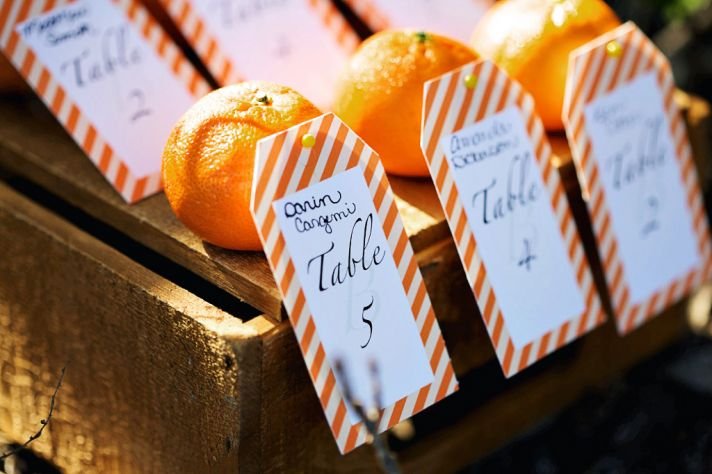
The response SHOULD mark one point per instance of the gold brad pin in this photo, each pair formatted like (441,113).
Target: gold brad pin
(308,140)
(470,81)
(614,48)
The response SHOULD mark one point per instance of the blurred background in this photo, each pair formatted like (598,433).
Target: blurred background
(683,30)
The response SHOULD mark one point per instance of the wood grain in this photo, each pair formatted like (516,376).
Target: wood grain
(153,382)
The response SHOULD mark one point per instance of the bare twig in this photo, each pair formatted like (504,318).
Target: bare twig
(372,418)
(43,422)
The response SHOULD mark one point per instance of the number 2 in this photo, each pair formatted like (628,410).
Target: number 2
(141,109)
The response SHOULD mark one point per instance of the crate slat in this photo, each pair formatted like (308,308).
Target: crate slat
(152,376)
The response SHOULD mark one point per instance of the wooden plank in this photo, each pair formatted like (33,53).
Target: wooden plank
(152,383)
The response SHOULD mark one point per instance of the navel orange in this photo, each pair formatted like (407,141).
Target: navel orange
(532,39)
(209,158)
(380,93)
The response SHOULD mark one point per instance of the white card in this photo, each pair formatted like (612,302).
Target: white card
(117,80)
(509,211)
(298,43)
(348,277)
(99,67)
(453,18)
(634,150)
(358,307)
(635,165)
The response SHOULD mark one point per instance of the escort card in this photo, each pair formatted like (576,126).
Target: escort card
(507,209)
(348,278)
(631,149)
(298,43)
(453,18)
(110,75)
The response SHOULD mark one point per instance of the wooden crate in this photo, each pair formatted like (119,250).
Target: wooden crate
(178,355)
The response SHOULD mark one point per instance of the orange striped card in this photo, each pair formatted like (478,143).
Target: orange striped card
(349,281)
(635,165)
(508,213)
(110,75)
(453,18)
(303,44)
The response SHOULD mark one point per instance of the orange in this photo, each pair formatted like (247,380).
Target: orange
(209,158)
(532,39)
(380,93)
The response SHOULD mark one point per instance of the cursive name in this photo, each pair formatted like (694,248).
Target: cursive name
(57,38)
(615,118)
(324,221)
(360,256)
(470,148)
(519,192)
(292,209)
(66,18)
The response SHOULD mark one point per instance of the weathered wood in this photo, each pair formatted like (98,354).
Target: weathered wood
(154,381)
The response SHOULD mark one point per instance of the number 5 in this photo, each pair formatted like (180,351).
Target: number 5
(368,322)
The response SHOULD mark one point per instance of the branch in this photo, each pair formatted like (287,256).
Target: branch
(370,419)
(43,422)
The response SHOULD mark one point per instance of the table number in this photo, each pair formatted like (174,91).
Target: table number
(303,44)
(635,164)
(349,281)
(508,213)
(110,75)
(453,18)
